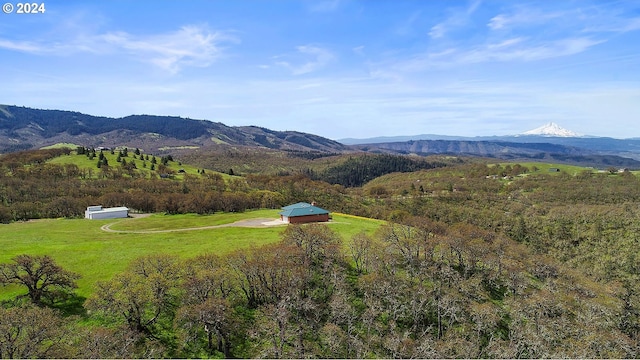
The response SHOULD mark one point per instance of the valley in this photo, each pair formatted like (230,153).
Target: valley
(457,256)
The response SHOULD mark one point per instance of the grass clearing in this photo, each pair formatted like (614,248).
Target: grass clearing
(545,167)
(142,165)
(60,146)
(157,222)
(80,245)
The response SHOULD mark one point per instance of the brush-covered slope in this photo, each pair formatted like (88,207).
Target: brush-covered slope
(24,128)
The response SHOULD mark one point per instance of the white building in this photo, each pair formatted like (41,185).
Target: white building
(97,212)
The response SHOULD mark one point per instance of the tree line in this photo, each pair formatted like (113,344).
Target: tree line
(414,289)
(31,188)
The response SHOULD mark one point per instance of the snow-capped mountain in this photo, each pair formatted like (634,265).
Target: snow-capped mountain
(551,129)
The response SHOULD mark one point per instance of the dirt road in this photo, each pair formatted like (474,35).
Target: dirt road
(255,223)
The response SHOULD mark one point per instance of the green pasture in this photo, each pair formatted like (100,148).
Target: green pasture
(60,146)
(80,245)
(83,162)
(544,167)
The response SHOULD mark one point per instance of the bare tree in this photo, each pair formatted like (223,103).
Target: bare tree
(43,278)
(143,294)
(31,332)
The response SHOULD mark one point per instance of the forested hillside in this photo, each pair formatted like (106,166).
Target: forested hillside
(356,171)
(476,260)
(23,128)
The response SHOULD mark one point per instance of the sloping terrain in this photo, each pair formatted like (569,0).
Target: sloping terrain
(24,128)
(539,151)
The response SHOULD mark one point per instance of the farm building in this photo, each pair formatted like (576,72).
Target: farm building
(303,213)
(97,212)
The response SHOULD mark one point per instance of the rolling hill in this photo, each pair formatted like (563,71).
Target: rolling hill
(24,128)
(509,150)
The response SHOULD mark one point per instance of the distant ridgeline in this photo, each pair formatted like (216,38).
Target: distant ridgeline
(52,122)
(23,128)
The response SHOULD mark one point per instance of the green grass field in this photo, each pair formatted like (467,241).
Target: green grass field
(81,245)
(83,162)
(544,167)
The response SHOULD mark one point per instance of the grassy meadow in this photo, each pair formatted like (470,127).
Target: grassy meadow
(83,162)
(81,246)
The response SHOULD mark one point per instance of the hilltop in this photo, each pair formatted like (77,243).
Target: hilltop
(253,148)
(23,128)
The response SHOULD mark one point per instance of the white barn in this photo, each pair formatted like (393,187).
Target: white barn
(97,212)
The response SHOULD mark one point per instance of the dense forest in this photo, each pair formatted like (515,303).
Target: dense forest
(357,171)
(53,122)
(476,260)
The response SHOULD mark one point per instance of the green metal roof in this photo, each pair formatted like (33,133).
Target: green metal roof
(302,209)
(297,205)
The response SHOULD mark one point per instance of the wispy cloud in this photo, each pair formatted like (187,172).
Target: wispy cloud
(459,17)
(189,46)
(524,16)
(590,17)
(319,58)
(23,46)
(406,27)
(518,49)
(325,6)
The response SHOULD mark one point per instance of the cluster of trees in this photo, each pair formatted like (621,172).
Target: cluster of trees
(586,220)
(357,171)
(414,289)
(472,265)
(53,122)
(30,188)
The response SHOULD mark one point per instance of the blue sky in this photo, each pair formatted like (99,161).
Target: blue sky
(336,68)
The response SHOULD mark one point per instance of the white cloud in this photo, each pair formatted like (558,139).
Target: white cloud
(522,16)
(518,49)
(23,46)
(320,58)
(189,46)
(437,31)
(325,6)
(459,17)
(406,27)
(509,51)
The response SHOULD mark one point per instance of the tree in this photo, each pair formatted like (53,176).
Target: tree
(31,332)
(142,295)
(214,317)
(41,275)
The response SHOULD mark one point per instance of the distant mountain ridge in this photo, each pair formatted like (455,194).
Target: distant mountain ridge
(24,128)
(549,133)
(548,130)
(508,150)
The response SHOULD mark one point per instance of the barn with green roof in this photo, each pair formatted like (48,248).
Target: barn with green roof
(303,212)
